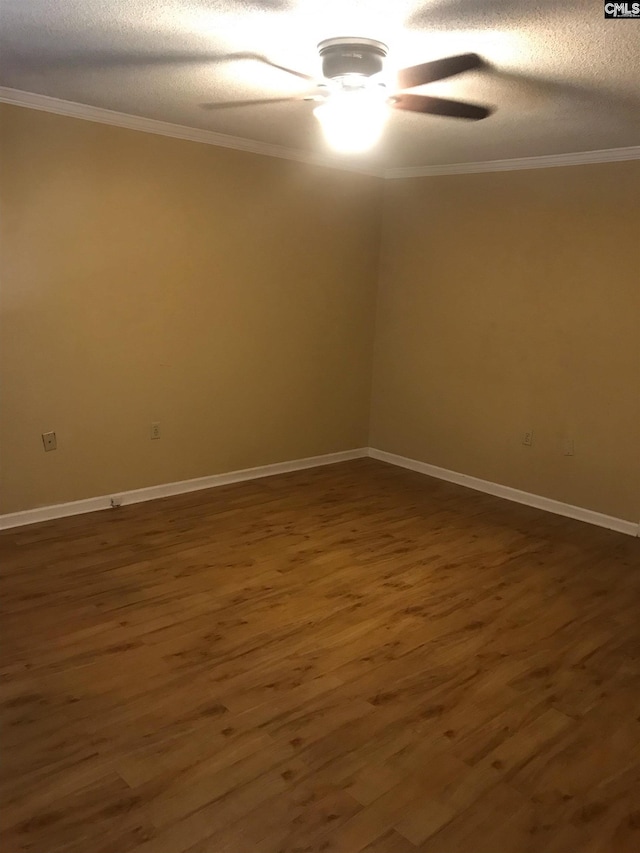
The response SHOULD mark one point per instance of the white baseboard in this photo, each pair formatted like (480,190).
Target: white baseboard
(506,492)
(47,513)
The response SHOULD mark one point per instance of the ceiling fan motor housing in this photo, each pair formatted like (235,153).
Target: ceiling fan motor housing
(347,56)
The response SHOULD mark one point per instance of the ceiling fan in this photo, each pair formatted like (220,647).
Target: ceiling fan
(353,96)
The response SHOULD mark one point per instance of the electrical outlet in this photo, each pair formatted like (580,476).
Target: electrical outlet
(527,438)
(155,430)
(49,441)
(568,447)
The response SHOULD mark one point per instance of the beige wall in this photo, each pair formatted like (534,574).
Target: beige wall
(509,302)
(232,298)
(226,295)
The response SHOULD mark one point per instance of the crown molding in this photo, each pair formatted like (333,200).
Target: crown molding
(546,161)
(72,109)
(34,101)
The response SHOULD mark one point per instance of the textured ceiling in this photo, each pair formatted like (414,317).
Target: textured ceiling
(562,79)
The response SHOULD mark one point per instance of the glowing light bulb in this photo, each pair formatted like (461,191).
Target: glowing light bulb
(352,119)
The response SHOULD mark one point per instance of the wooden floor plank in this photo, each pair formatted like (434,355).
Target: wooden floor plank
(350,659)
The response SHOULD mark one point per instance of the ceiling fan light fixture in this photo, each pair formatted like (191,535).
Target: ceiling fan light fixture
(353,91)
(352,120)
(341,56)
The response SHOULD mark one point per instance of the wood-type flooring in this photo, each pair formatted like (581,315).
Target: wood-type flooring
(349,659)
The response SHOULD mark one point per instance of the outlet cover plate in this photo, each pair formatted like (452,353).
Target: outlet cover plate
(49,441)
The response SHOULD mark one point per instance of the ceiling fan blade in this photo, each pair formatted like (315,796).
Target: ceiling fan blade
(439,107)
(256,102)
(258,57)
(439,69)
(112,59)
(463,15)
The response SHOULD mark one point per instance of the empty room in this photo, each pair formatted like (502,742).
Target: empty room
(319,426)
